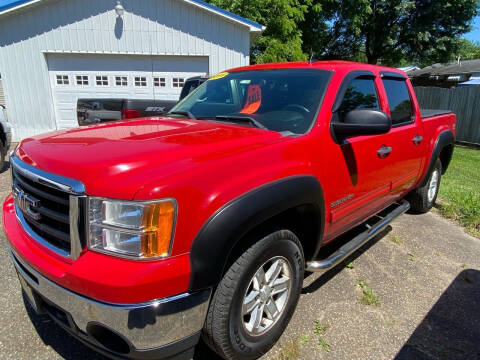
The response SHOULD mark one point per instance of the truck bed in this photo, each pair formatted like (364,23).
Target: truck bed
(426,113)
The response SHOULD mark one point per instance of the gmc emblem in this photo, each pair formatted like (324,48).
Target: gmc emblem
(24,202)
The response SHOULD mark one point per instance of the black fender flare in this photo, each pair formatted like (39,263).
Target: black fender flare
(222,231)
(445,138)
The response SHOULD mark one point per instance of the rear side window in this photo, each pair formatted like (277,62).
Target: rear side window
(399,101)
(190,86)
(360,94)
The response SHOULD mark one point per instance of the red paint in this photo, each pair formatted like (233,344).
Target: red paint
(204,165)
(130,114)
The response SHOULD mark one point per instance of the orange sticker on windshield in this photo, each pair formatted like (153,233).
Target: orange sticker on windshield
(254,100)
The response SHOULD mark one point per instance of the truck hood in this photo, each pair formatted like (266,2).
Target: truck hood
(108,158)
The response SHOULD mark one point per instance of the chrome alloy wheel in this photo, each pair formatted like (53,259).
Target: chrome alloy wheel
(266,296)
(432,187)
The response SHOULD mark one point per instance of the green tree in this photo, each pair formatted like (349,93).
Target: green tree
(282,38)
(467,50)
(387,31)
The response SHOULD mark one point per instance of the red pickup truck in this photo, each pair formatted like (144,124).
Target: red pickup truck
(141,237)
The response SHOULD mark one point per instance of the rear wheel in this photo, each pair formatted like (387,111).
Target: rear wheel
(256,298)
(423,198)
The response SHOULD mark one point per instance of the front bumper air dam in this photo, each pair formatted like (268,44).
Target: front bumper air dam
(167,328)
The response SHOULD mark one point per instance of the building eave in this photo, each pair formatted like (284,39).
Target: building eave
(253,26)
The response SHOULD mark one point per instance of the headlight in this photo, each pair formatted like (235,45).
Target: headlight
(136,229)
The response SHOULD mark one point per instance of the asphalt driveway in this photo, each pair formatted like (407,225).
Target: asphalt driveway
(411,293)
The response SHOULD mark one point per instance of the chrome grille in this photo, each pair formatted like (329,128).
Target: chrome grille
(50,208)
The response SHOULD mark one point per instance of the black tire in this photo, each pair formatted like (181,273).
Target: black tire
(224,331)
(420,200)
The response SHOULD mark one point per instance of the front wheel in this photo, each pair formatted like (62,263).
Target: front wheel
(256,298)
(423,198)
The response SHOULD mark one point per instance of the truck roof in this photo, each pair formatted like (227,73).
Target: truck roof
(330,65)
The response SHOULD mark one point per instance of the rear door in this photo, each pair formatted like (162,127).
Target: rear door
(363,182)
(406,136)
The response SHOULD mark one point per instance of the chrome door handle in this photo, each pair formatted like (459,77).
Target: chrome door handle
(384,151)
(417,140)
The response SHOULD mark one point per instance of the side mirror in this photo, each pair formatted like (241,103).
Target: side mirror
(362,122)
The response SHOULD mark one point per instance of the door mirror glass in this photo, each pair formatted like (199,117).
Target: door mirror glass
(362,122)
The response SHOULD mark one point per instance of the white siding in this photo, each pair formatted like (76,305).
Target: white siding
(148,27)
(2,97)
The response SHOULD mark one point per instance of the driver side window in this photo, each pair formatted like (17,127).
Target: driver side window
(361,94)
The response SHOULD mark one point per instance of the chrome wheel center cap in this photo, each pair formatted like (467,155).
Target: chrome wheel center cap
(265,294)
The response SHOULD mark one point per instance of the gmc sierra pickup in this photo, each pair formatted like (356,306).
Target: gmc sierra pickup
(141,237)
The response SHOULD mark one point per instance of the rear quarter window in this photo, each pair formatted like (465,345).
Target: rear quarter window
(399,101)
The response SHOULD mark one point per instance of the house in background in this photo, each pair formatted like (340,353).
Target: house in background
(409,69)
(53,52)
(446,75)
(474,80)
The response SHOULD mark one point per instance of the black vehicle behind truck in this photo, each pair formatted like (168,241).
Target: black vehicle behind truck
(93,111)
(5,136)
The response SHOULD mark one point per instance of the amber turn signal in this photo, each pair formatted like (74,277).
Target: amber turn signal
(158,224)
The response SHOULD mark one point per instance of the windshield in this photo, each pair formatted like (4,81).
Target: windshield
(284,100)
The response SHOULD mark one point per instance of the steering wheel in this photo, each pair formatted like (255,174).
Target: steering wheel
(302,108)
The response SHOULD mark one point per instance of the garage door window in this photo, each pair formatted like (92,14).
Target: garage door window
(62,80)
(121,81)
(82,80)
(140,81)
(101,80)
(178,82)
(159,82)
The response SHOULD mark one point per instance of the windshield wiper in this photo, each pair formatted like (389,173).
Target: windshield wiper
(183,113)
(239,119)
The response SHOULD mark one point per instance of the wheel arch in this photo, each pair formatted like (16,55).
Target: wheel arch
(295,203)
(443,150)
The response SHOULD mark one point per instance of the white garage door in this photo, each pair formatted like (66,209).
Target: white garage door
(114,76)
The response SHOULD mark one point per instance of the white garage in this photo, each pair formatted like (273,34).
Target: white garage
(117,76)
(53,52)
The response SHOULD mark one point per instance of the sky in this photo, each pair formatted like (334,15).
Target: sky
(6,2)
(474,35)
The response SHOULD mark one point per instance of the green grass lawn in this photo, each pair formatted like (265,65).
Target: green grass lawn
(460,190)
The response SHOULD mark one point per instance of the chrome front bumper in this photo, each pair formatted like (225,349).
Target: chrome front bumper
(143,326)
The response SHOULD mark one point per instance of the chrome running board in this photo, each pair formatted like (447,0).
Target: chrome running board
(359,240)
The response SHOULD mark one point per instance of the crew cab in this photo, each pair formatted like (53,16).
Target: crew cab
(142,237)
